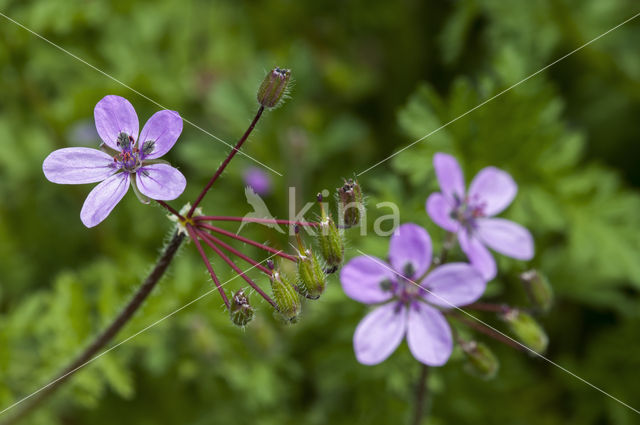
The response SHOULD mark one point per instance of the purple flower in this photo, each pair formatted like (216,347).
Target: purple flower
(469,214)
(258,180)
(129,159)
(412,303)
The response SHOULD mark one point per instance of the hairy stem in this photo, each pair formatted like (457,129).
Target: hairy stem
(228,159)
(249,241)
(31,402)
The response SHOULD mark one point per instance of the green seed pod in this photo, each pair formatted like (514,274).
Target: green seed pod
(330,241)
(274,87)
(527,330)
(351,204)
(286,297)
(538,289)
(241,311)
(481,361)
(311,277)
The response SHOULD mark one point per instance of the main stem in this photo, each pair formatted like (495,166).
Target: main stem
(32,401)
(228,159)
(421,394)
(421,386)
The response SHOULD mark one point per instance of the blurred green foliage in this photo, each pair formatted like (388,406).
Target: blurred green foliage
(370,78)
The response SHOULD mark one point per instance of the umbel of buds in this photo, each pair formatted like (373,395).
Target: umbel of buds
(527,330)
(330,239)
(481,361)
(538,289)
(350,203)
(286,297)
(240,309)
(274,87)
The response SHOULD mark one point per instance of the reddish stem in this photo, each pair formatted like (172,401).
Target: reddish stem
(494,308)
(171,209)
(224,164)
(194,237)
(236,268)
(253,220)
(249,241)
(486,330)
(235,252)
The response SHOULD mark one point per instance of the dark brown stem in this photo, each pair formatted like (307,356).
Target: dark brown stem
(236,268)
(421,395)
(29,403)
(207,263)
(249,241)
(228,159)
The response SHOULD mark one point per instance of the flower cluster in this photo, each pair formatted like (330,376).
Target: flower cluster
(129,158)
(414,295)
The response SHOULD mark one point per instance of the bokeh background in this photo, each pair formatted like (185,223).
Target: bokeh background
(370,77)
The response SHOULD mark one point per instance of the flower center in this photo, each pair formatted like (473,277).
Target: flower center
(129,156)
(467,210)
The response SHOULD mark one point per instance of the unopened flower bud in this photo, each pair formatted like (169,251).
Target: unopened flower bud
(527,330)
(286,297)
(351,203)
(330,241)
(538,289)
(481,361)
(311,277)
(274,87)
(240,310)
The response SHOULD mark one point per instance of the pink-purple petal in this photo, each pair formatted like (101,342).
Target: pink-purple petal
(428,335)
(493,188)
(379,333)
(506,237)
(478,255)
(115,115)
(454,285)
(163,129)
(160,181)
(78,166)
(103,198)
(410,245)
(362,279)
(439,209)
(449,176)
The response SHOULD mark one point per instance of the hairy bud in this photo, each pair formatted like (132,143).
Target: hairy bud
(538,289)
(241,311)
(481,361)
(527,330)
(286,297)
(330,241)
(274,87)
(351,203)
(311,277)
